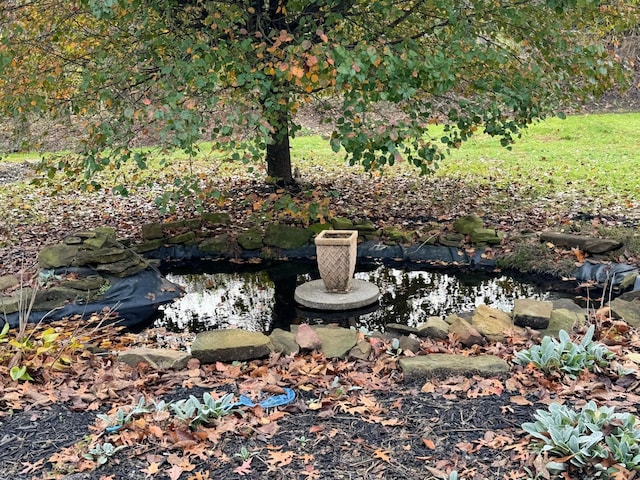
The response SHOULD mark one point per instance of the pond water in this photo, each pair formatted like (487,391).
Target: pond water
(260,298)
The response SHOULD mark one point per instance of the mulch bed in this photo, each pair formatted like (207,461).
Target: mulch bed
(342,445)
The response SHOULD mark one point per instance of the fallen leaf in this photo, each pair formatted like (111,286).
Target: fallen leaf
(383,455)
(429,444)
(245,468)
(520,400)
(174,472)
(279,459)
(152,469)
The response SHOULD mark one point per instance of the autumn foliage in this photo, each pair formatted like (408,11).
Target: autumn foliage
(237,73)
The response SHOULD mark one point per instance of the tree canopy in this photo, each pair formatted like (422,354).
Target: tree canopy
(236,73)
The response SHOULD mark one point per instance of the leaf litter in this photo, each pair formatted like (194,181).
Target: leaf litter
(348,416)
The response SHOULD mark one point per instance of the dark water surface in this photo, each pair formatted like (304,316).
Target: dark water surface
(260,298)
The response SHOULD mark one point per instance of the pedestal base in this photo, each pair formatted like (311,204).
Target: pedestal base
(313,295)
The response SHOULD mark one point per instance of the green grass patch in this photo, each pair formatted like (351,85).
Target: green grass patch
(597,155)
(593,155)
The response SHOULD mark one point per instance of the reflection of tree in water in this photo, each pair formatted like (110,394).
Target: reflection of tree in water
(221,300)
(410,297)
(263,300)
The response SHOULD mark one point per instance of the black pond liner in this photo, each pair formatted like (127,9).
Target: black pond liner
(136,299)
(270,305)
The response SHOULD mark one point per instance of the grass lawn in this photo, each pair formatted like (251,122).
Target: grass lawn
(597,155)
(594,154)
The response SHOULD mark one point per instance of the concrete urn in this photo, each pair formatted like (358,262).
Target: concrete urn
(336,251)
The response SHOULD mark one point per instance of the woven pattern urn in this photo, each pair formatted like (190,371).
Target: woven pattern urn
(336,251)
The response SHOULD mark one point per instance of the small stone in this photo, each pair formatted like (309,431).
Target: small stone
(95,243)
(490,236)
(563,319)
(73,240)
(123,268)
(466,333)
(284,342)
(216,218)
(108,232)
(444,365)
(491,322)
(629,311)
(158,358)
(175,225)
(152,231)
(307,339)
(467,224)
(409,344)
(435,327)
(337,342)
(451,239)
(8,281)
(187,237)
(361,351)
(148,246)
(90,282)
(55,256)
(365,226)
(535,314)
(399,328)
(193,223)
(104,255)
(251,239)
(286,236)
(341,223)
(218,245)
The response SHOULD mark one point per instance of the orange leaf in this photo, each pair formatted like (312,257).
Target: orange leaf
(152,469)
(428,388)
(520,400)
(580,256)
(297,72)
(429,444)
(383,455)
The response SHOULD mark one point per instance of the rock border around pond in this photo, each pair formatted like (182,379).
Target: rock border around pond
(483,325)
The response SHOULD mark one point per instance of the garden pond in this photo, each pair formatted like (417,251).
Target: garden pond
(261,298)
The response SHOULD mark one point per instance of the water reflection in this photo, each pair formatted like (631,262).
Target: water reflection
(261,300)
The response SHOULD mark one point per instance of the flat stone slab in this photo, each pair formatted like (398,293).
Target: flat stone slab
(588,244)
(158,358)
(313,295)
(444,365)
(528,312)
(228,345)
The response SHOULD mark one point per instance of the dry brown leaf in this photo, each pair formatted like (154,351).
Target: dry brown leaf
(384,455)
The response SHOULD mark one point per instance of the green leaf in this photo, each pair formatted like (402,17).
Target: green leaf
(20,373)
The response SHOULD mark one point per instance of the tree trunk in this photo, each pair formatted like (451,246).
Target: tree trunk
(278,150)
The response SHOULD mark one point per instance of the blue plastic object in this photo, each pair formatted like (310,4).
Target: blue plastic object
(286,398)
